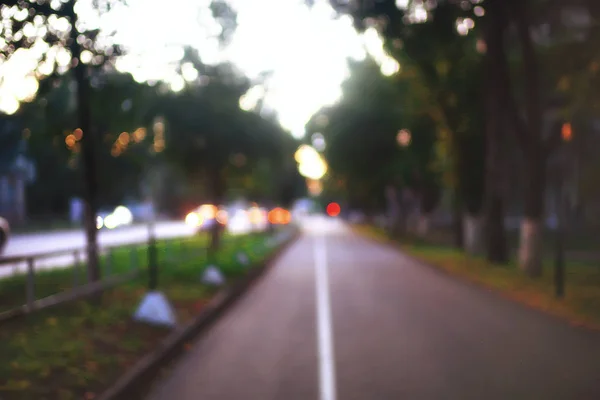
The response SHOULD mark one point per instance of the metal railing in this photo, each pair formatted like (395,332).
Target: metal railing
(28,267)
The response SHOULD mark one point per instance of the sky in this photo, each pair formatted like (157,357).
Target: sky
(306,50)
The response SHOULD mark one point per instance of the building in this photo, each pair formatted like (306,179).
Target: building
(16,170)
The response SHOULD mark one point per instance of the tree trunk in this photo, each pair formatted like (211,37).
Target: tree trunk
(534,147)
(496,244)
(217,187)
(496,77)
(423,225)
(530,246)
(457,223)
(473,234)
(88,152)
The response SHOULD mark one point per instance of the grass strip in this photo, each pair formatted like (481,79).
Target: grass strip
(76,350)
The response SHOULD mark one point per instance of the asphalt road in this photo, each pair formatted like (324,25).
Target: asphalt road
(47,242)
(341,317)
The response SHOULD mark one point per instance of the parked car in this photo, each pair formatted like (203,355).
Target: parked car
(4,234)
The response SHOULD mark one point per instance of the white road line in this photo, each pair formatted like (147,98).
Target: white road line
(324,328)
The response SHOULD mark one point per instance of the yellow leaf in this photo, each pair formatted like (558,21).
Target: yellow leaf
(51,321)
(91,366)
(564,84)
(443,67)
(23,384)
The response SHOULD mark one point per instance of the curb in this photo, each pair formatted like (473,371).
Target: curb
(135,382)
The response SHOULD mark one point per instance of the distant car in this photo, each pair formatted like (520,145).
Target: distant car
(206,216)
(120,216)
(4,234)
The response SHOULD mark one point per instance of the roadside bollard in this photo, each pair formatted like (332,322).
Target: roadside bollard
(76,265)
(152,262)
(30,290)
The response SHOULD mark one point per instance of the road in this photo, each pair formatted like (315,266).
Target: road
(341,317)
(39,243)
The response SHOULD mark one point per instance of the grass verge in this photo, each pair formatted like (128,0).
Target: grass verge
(580,306)
(75,351)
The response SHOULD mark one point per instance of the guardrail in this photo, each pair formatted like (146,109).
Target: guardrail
(28,266)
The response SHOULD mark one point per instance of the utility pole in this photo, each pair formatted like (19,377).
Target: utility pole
(559,256)
(559,261)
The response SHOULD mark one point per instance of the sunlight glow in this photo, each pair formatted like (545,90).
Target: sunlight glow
(297,45)
(310,163)
(250,99)
(304,49)
(374,45)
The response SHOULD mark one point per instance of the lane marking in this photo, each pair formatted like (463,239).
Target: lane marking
(324,327)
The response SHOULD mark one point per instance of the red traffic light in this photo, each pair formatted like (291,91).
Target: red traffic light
(333,209)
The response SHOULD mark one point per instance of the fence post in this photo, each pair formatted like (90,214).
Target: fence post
(152,260)
(30,290)
(76,266)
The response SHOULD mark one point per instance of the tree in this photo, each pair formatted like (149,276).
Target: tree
(526,117)
(442,73)
(208,134)
(362,148)
(120,104)
(63,30)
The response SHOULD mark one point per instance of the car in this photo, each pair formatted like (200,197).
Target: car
(4,234)
(205,217)
(121,216)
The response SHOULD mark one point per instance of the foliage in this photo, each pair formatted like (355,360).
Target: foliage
(361,135)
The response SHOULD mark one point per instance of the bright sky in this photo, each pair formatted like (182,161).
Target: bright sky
(307,51)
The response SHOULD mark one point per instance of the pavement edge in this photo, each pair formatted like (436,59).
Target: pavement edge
(136,381)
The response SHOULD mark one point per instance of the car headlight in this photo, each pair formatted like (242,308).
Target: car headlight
(193,219)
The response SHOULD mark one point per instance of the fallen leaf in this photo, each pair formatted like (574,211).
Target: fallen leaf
(91,366)
(51,321)
(23,384)
(187,346)
(89,396)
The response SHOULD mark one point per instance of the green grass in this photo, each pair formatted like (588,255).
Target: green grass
(580,246)
(76,350)
(118,261)
(580,306)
